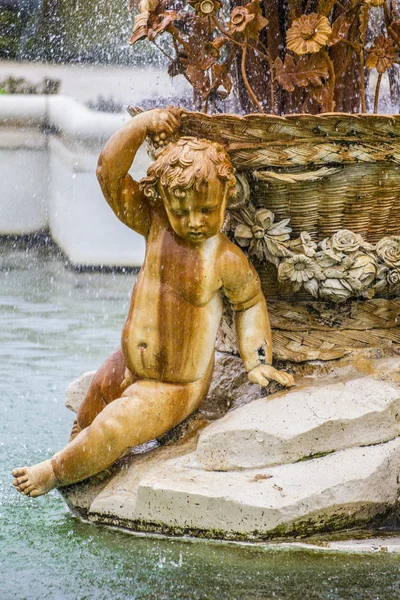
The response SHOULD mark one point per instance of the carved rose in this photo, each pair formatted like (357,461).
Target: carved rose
(393,277)
(346,241)
(388,249)
(363,270)
(337,268)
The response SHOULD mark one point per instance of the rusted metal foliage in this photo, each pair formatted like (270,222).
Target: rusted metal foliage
(280,57)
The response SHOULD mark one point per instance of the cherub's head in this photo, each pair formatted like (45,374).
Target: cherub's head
(194,179)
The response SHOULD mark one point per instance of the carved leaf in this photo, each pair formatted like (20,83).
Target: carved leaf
(198,79)
(321,95)
(275,250)
(341,26)
(256,249)
(140,28)
(394,31)
(221,73)
(243,234)
(175,68)
(306,70)
(325,7)
(334,273)
(280,231)
(335,290)
(207,62)
(312,287)
(364,18)
(161,23)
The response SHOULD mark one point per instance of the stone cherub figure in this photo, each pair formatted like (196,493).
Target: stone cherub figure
(164,367)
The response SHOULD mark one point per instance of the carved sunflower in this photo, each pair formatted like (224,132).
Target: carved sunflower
(300,270)
(381,55)
(374,2)
(308,34)
(205,8)
(248,19)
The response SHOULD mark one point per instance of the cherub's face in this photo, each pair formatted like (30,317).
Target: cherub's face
(195,215)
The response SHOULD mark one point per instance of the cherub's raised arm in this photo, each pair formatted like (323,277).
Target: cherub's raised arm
(120,190)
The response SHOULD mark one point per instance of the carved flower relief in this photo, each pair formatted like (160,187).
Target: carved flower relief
(303,244)
(363,270)
(301,271)
(375,2)
(388,249)
(262,236)
(346,241)
(381,55)
(337,268)
(393,277)
(205,8)
(151,20)
(308,34)
(248,19)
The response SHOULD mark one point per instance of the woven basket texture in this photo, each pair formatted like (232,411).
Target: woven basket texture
(326,173)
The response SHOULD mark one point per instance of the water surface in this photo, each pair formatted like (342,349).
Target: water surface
(56,324)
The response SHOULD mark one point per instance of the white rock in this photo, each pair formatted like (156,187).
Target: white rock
(302,422)
(157,492)
(77,390)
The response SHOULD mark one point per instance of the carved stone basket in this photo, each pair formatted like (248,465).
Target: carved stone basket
(318,212)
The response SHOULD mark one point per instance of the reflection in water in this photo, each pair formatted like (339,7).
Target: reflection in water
(56,324)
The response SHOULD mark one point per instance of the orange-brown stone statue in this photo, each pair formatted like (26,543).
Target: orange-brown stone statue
(164,367)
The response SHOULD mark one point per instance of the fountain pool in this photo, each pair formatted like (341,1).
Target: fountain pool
(56,324)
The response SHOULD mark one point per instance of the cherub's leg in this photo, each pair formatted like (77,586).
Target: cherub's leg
(106,386)
(147,409)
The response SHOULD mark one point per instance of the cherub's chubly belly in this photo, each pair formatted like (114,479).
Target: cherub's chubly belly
(171,340)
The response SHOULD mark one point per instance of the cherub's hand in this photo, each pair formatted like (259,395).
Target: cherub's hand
(263,374)
(161,121)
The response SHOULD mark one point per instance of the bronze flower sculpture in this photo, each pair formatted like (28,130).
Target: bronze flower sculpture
(320,50)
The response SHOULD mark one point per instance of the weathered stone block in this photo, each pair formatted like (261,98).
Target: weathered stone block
(302,422)
(77,390)
(160,493)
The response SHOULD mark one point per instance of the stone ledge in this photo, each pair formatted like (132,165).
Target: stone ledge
(311,420)
(168,490)
(161,492)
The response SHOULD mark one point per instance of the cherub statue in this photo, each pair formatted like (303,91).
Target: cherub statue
(164,367)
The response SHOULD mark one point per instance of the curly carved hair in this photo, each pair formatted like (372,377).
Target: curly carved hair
(187,164)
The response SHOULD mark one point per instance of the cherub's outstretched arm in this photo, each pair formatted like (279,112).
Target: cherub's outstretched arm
(243,290)
(120,190)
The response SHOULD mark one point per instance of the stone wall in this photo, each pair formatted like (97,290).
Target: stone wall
(49,147)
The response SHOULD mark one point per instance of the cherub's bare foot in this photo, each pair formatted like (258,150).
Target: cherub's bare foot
(35,481)
(74,431)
